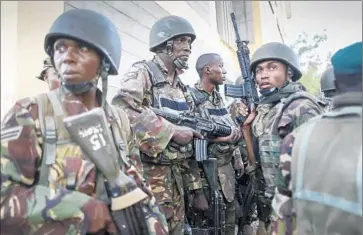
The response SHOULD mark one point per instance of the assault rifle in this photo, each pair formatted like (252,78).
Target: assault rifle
(208,128)
(91,132)
(214,225)
(247,90)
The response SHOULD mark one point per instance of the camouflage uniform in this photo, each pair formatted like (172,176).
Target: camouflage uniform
(163,164)
(41,208)
(272,123)
(211,106)
(278,113)
(332,204)
(48,185)
(147,84)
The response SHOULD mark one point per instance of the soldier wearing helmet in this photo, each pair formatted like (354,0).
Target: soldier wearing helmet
(327,87)
(55,187)
(283,106)
(167,153)
(333,141)
(49,75)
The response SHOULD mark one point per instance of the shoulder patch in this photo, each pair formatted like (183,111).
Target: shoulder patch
(11,133)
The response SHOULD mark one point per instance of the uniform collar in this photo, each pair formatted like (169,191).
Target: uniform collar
(348,99)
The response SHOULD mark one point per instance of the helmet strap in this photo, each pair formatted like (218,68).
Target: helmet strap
(180,64)
(105,68)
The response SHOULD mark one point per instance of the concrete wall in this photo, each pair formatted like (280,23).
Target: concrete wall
(23,26)
(25,23)
(269,30)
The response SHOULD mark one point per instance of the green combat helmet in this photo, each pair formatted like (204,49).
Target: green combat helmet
(96,31)
(277,51)
(327,81)
(47,63)
(165,30)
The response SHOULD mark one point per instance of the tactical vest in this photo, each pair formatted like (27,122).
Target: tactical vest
(171,99)
(54,134)
(265,128)
(327,174)
(217,114)
(223,152)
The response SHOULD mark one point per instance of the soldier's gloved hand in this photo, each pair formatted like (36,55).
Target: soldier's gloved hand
(184,135)
(232,138)
(200,201)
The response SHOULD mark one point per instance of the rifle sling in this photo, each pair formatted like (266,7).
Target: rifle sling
(48,129)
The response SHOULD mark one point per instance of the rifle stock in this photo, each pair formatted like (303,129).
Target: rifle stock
(91,132)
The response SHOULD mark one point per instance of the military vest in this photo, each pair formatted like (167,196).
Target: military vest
(56,169)
(172,99)
(223,152)
(327,174)
(265,128)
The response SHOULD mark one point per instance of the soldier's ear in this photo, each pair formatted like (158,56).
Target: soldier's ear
(207,69)
(289,73)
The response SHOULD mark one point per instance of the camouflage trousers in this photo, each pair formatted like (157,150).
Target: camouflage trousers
(166,184)
(264,207)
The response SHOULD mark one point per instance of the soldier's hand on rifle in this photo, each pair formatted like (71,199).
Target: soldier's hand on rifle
(232,138)
(238,109)
(184,135)
(200,201)
(251,116)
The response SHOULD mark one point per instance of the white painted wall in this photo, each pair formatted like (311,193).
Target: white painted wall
(23,27)
(269,28)
(9,37)
(208,40)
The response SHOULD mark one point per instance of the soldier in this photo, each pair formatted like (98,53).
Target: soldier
(333,203)
(209,104)
(49,75)
(283,107)
(167,151)
(48,186)
(327,87)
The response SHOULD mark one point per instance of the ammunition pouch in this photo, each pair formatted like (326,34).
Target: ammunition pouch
(172,155)
(222,151)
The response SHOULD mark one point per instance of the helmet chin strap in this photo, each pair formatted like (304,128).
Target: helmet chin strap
(105,68)
(80,88)
(180,64)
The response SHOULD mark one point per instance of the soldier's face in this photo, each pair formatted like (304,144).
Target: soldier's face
(75,62)
(270,74)
(182,47)
(51,77)
(216,73)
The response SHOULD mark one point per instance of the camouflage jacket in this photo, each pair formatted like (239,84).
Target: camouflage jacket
(136,94)
(283,203)
(69,204)
(211,106)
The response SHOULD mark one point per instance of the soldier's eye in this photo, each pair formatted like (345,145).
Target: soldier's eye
(59,47)
(83,47)
(272,67)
